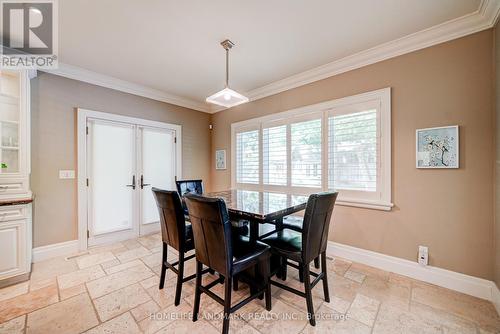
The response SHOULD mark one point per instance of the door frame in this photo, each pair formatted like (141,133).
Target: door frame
(82,190)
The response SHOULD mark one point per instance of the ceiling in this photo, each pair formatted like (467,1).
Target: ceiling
(173,46)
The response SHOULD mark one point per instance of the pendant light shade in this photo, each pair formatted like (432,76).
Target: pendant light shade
(227,97)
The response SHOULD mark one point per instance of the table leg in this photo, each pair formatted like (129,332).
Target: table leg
(254,230)
(279,223)
(258,277)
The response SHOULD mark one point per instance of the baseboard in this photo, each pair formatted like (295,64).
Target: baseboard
(470,285)
(50,251)
(14,280)
(496,297)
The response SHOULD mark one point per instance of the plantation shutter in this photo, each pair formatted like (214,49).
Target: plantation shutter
(274,155)
(306,153)
(353,151)
(247,157)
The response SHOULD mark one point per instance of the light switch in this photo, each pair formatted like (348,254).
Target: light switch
(66,174)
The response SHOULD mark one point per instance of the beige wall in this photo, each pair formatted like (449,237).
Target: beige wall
(451,211)
(53,141)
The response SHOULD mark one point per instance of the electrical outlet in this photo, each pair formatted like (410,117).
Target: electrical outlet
(423,255)
(66,174)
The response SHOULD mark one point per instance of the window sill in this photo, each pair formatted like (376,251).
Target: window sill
(366,205)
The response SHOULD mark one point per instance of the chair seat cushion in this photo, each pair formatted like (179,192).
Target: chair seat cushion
(247,253)
(293,222)
(285,242)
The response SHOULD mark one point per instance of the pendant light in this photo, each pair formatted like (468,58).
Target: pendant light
(227,97)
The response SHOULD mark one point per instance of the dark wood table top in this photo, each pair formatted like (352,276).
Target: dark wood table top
(260,205)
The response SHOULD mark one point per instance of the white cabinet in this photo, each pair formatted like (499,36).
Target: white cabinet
(15,193)
(15,240)
(14,135)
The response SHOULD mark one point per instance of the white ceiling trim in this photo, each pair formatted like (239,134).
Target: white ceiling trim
(484,18)
(94,78)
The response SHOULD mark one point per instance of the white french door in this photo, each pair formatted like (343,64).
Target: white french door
(125,158)
(111,179)
(157,168)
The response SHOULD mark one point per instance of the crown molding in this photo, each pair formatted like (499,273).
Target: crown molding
(94,78)
(483,18)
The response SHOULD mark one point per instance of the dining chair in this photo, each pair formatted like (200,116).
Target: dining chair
(227,253)
(295,223)
(303,247)
(185,187)
(189,187)
(176,234)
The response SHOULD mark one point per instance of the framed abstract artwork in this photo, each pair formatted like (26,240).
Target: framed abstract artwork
(438,147)
(220,159)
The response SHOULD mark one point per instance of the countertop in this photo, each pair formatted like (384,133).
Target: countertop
(16,201)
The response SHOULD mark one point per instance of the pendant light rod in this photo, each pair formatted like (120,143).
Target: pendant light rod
(227,68)
(227,45)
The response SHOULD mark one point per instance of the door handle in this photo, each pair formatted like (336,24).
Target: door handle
(142,183)
(133,183)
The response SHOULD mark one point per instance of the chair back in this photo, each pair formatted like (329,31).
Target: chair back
(189,187)
(172,222)
(211,232)
(316,224)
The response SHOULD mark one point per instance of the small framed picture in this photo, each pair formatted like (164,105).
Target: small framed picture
(220,159)
(438,147)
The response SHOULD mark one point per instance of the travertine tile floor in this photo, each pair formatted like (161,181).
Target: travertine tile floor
(114,289)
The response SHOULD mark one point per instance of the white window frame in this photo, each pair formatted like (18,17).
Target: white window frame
(380,200)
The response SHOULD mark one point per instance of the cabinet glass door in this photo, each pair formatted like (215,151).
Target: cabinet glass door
(9,121)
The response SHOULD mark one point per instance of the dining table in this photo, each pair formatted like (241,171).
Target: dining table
(260,208)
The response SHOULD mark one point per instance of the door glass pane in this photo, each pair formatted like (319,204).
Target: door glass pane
(158,159)
(112,168)
(9,121)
